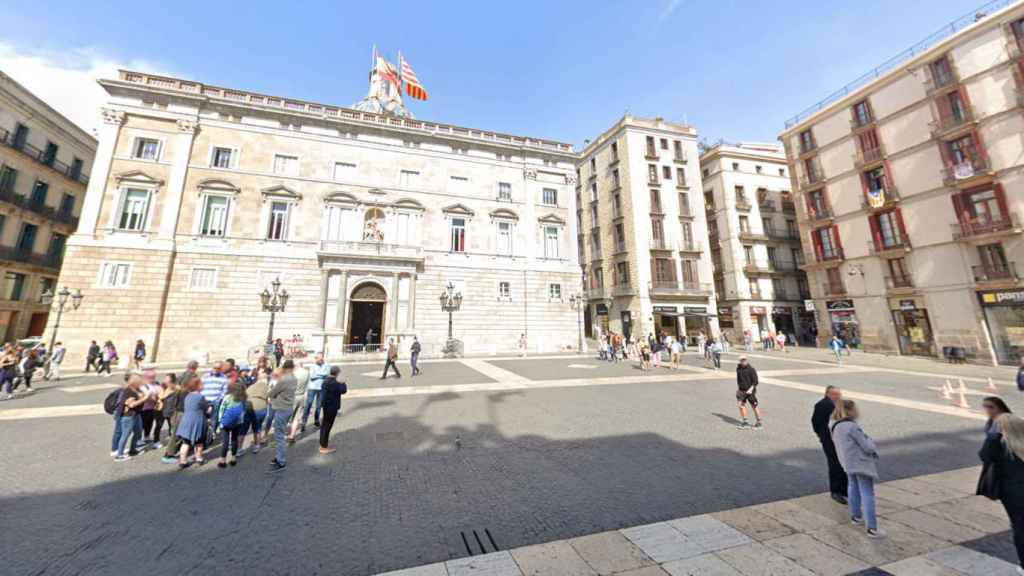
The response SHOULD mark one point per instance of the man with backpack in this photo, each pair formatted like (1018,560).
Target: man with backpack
(392,361)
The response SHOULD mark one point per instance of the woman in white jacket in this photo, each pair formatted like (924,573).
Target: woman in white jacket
(858,455)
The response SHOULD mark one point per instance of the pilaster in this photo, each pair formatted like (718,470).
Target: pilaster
(176,185)
(108,133)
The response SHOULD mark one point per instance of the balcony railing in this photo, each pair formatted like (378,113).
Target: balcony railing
(811,179)
(755,295)
(950,122)
(972,227)
(786,235)
(833,289)
(690,246)
(830,256)
(781,294)
(13,254)
(965,171)
(651,153)
(990,273)
(661,244)
(766,205)
(870,156)
(620,247)
(857,122)
(899,281)
(40,156)
(880,245)
(679,158)
(807,147)
(748,236)
(757,267)
(788,206)
(653,181)
(597,292)
(678,287)
(371,249)
(685,210)
(623,290)
(820,213)
(596,254)
(743,204)
(883,198)
(37,207)
(783,266)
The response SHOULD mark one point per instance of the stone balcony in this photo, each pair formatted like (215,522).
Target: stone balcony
(382,250)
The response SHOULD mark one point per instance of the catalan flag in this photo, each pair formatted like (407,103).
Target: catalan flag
(412,84)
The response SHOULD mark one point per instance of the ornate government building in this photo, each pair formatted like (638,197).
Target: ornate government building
(200,197)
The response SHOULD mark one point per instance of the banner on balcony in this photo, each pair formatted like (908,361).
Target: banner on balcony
(963,170)
(876,198)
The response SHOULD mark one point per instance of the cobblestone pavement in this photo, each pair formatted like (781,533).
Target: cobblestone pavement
(471,456)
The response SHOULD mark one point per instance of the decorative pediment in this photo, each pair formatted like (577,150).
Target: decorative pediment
(138,177)
(219,186)
(457,210)
(280,191)
(341,198)
(504,213)
(551,219)
(408,204)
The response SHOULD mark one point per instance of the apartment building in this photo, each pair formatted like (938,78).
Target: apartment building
(44,163)
(203,196)
(643,231)
(910,188)
(755,242)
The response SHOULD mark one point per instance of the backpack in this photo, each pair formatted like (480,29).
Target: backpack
(232,415)
(110,402)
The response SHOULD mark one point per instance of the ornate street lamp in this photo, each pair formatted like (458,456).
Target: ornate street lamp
(63,295)
(273,302)
(579,301)
(451,301)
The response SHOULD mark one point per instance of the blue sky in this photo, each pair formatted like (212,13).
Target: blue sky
(565,70)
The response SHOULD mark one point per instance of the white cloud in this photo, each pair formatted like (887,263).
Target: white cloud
(670,7)
(67,80)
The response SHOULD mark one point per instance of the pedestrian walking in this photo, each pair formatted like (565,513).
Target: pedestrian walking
(27,366)
(129,404)
(859,456)
(994,407)
(278,352)
(1002,475)
(645,356)
(172,404)
(522,345)
(107,356)
(231,418)
(716,354)
(318,371)
(139,355)
(301,392)
(780,340)
(333,391)
(823,410)
(214,387)
(677,353)
(748,344)
(192,429)
(746,394)
(281,397)
(151,389)
(414,356)
(836,345)
(56,359)
(655,346)
(92,357)
(1020,374)
(392,358)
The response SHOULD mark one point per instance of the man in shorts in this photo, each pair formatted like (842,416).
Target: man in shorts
(746,393)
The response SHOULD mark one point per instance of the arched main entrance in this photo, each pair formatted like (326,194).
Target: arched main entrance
(366,319)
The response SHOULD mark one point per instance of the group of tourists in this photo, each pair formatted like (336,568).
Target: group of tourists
(227,404)
(659,351)
(19,365)
(769,339)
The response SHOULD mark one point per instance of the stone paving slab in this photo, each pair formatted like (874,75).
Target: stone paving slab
(935,527)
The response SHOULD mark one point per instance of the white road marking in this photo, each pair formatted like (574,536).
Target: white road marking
(584,366)
(52,412)
(87,387)
(494,372)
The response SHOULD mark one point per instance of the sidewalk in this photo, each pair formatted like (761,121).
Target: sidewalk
(935,527)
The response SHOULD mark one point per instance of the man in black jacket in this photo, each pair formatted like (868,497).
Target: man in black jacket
(746,382)
(332,391)
(819,422)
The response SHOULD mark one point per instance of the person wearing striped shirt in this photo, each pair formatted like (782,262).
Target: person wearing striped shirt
(215,385)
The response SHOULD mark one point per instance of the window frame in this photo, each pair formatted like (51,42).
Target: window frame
(204,197)
(192,275)
(554,292)
(543,196)
(273,164)
(136,140)
(287,227)
(232,161)
(504,291)
(147,212)
(102,275)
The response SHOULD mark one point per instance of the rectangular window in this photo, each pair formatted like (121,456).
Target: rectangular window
(277,228)
(551,242)
(664,143)
(862,113)
(690,272)
(657,232)
(39,192)
(56,250)
(680,177)
(8,178)
(505,238)
(942,72)
(741,195)
(458,234)
(650,147)
(409,178)
(616,179)
(555,292)
(47,286)
(875,179)
(549,196)
(287,165)
(203,279)
(748,255)
(956,109)
(744,224)
(49,155)
(666,172)
(114,275)
(827,243)
(505,191)
(344,171)
(76,168)
(755,288)
(67,205)
(222,157)
(687,229)
(963,151)
(1018,31)
(664,270)
(593,216)
(134,209)
(806,141)
(773,256)
(27,239)
(215,216)
(652,173)
(888,229)
(615,152)
(620,237)
(14,284)
(146,149)
(622,274)
(504,290)
(678,148)
(655,201)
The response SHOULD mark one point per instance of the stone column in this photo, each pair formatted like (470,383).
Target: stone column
(176,185)
(322,310)
(412,301)
(109,130)
(394,303)
(343,304)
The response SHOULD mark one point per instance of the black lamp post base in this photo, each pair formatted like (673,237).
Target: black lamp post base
(452,348)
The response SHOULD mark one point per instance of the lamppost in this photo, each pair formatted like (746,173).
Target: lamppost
(578,301)
(451,301)
(273,302)
(62,300)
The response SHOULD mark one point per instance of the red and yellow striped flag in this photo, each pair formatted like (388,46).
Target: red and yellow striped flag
(412,85)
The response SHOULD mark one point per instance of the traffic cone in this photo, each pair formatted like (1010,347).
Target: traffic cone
(992,385)
(947,390)
(963,395)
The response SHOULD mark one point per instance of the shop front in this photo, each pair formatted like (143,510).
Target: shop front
(842,318)
(758,322)
(695,321)
(782,318)
(601,313)
(807,329)
(666,321)
(1004,315)
(913,329)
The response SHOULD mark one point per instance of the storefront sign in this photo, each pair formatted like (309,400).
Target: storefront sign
(809,305)
(601,309)
(695,309)
(758,310)
(780,310)
(833,305)
(664,309)
(908,305)
(725,312)
(1005,298)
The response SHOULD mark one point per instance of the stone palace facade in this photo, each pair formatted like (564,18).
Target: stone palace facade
(201,196)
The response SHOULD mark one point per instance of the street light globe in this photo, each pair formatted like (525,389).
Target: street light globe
(284,299)
(265,298)
(76,299)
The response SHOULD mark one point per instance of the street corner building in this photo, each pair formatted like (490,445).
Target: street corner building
(910,187)
(643,232)
(44,163)
(202,196)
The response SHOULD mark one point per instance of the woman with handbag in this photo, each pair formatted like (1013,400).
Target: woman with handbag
(1002,476)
